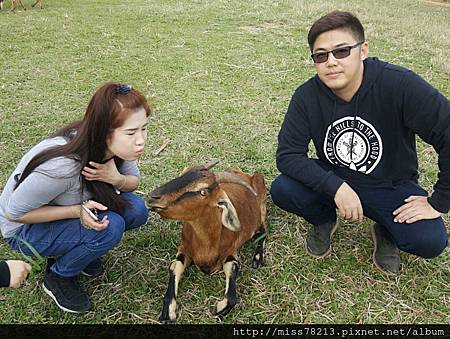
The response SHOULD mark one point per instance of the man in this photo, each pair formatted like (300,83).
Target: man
(362,115)
(13,273)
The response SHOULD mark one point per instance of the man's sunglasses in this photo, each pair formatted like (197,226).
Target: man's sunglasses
(338,53)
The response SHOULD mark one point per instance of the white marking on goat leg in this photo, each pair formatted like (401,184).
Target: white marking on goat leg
(221,305)
(227,269)
(173,309)
(177,268)
(170,302)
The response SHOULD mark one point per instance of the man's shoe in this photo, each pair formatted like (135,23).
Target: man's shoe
(318,240)
(66,292)
(386,255)
(93,269)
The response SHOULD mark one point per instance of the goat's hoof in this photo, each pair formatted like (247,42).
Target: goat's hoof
(258,261)
(167,321)
(222,308)
(165,318)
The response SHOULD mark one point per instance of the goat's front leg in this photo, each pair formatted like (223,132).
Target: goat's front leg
(258,257)
(176,269)
(231,270)
(21,4)
(37,2)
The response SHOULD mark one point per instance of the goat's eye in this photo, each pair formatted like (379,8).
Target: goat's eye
(203,192)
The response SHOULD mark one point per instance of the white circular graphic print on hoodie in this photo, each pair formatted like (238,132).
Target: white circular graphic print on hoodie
(354,143)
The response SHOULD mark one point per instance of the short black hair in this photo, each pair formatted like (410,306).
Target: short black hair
(336,20)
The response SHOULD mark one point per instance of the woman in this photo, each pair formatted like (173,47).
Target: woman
(87,167)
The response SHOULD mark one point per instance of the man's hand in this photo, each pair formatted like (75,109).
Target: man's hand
(18,271)
(348,203)
(106,172)
(416,208)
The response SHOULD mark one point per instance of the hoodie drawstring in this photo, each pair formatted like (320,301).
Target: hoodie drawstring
(353,129)
(333,116)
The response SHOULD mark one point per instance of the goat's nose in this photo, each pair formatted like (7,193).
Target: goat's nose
(155,195)
(153,202)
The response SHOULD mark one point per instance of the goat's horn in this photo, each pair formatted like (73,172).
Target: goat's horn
(210,164)
(223,177)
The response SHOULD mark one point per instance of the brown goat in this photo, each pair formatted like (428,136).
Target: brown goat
(220,212)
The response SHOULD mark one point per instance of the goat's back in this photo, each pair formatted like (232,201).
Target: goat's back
(251,210)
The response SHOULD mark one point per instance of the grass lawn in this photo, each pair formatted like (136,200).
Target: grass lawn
(220,75)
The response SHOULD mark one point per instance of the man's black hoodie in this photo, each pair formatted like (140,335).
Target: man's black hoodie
(369,141)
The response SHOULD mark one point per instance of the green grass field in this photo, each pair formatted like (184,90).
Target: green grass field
(220,75)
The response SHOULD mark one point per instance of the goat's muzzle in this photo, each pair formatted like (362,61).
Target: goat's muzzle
(154,203)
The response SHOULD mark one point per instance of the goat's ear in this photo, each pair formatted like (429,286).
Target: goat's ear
(229,216)
(192,168)
(184,170)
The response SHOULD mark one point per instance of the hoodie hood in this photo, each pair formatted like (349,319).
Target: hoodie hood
(349,140)
(372,70)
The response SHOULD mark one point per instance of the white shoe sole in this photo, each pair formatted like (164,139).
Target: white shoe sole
(56,301)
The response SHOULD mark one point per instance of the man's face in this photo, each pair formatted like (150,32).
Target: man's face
(342,76)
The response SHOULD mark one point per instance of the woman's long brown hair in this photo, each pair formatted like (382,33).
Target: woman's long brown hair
(87,139)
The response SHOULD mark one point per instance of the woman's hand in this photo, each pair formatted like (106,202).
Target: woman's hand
(18,271)
(87,221)
(106,172)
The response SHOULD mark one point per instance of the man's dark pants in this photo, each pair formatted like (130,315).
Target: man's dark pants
(424,238)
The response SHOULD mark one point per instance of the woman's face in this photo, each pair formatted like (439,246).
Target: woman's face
(127,141)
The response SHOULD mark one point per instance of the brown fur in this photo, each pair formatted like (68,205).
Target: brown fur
(205,241)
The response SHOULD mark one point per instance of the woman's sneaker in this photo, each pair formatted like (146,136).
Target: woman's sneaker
(94,268)
(66,292)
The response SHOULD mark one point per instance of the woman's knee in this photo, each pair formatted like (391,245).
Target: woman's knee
(116,227)
(137,214)
(141,212)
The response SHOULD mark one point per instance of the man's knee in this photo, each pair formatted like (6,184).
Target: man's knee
(293,196)
(284,190)
(427,244)
(278,190)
